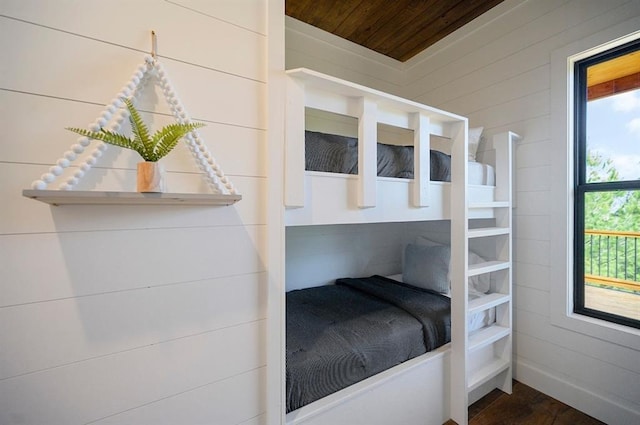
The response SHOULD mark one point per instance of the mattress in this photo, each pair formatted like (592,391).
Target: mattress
(476,321)
(339,154)
(337,335)
(482,174)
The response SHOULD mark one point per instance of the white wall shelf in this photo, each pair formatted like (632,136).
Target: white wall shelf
(71,197)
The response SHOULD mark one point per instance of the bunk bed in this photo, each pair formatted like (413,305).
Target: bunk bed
(455,338)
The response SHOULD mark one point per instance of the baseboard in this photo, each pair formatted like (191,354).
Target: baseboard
(593,404)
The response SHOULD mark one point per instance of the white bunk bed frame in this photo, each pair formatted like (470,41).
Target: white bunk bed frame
(440,384)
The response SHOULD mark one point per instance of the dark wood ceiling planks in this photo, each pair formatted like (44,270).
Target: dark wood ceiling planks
(399,29)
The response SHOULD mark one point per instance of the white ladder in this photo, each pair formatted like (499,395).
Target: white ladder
(482,358)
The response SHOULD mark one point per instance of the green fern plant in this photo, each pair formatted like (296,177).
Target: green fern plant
(150,148)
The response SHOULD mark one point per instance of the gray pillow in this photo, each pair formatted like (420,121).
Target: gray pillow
(330,153)
(427,267)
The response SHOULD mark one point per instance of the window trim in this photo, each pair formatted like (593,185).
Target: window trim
(562,190)
(582,187)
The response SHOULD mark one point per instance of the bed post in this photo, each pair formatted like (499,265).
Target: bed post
(459,273)
(294,144)
(366,111)
(419,122)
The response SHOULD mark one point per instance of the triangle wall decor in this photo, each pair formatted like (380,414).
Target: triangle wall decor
(112,117)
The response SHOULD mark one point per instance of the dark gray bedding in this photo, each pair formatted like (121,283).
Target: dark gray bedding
(339,154)
(340,334)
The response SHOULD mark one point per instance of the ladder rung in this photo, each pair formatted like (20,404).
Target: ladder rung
(494,204)
(487,372)
(488,267)
(486,336)
(488,231)
(486,302)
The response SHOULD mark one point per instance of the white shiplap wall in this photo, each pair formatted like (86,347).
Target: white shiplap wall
(310,47)
(496,71)
(132,315)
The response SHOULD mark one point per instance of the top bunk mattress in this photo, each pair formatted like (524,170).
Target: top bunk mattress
(339,154)
(481,174)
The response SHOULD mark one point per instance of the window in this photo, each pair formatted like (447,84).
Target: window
(607,185)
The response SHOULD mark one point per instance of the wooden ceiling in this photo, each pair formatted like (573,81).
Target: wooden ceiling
(399,29)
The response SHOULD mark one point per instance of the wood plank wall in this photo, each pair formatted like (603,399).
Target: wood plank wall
(497,72)
(317,255)
(309,47)
(145,315)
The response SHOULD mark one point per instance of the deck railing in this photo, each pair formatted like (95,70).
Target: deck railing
(612,258)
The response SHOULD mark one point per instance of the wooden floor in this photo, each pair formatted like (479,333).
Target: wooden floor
(524,406)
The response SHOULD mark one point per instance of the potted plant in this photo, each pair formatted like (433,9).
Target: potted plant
(150,147)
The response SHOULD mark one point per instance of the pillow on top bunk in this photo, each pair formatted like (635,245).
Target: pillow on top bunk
(480,284)
(427,267)
(474,141)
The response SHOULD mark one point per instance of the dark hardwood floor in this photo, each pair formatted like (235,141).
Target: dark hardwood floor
(524,406)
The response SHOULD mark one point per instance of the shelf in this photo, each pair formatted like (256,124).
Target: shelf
(486,336)
(72,197)
(488,267)
(486,302)
(487,372)
(488,231)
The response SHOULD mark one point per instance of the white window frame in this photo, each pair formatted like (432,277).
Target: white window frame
(561,193)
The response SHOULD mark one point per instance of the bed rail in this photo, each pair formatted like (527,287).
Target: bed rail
(310,89)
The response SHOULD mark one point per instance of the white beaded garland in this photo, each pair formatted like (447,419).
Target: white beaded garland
(38,185)
(47,177)
(70,155)
(56,170)
(65,186)
(85,167)
(94,126)
(78,148)
(97,153)
(63,162)
(78,174)
(84,141)
(91,161)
